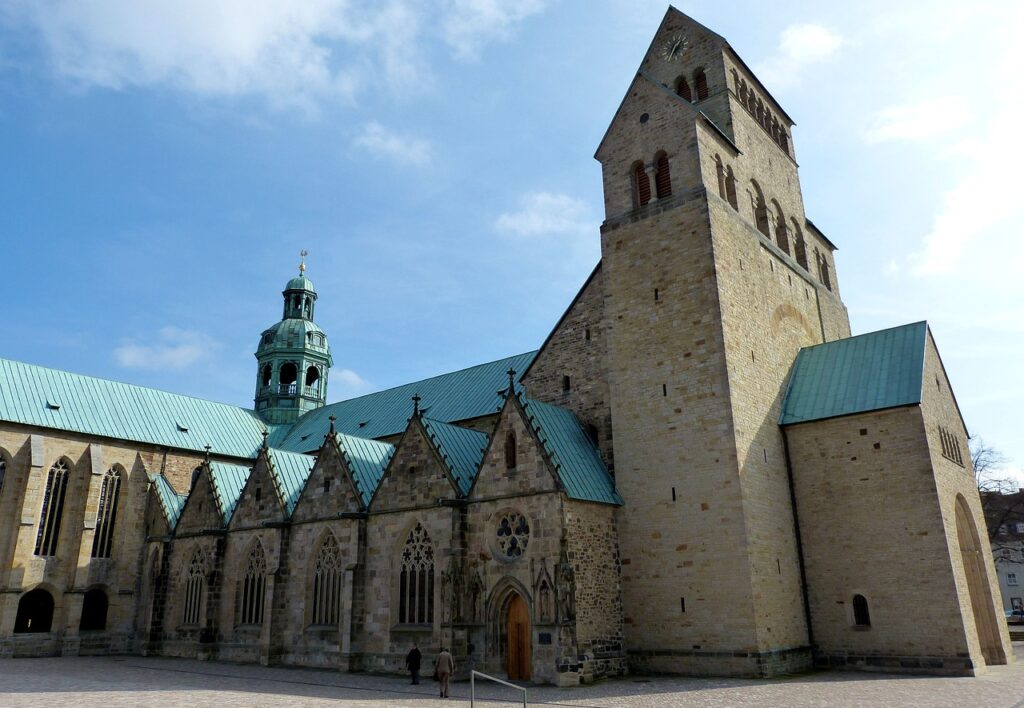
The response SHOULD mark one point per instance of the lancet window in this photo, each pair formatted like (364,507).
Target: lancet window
(416,579)
(254,585)
(327,579)
(110,493)
(53,509)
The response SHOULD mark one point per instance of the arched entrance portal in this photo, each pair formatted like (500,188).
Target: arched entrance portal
(35,612)
(518,636)
(977,585)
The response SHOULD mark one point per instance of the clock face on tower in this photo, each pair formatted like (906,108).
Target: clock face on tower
(674,47)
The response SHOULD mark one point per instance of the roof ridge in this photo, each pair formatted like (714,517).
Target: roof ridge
(864,334)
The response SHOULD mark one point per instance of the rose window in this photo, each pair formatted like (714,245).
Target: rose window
(513,534)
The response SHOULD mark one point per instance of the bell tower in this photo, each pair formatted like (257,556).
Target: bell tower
(293,357)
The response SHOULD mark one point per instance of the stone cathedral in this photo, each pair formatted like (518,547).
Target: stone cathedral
(700,470)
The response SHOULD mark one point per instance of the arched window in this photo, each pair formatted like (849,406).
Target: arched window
(700,84)
(662,176)
(312,380)
(110,492)
(781,233)
(823,274)
(861,615)
(327,580)
(641,185)
(53,509)
(195,581)
(799,247)
(265,375)
(730,188)
(683,88)
(35,612)
(287,378)
(720,174)
(416,580)
(94,611)
(254,585)
(784,141)
(760,210)
(510,449)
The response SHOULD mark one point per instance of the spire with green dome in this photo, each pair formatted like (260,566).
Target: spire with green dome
(293,357)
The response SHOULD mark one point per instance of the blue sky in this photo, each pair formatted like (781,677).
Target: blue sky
(164,162)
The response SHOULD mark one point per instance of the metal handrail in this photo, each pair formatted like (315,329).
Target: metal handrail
(472,686)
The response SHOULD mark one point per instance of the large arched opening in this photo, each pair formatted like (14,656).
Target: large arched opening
(94,611)
(510,638)
(978,586)
(35,612)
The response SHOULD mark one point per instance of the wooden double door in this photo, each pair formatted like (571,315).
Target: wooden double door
(518,631)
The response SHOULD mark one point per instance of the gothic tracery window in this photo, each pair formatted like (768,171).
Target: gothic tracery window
(513,534)
(195,581)
(416,579)
(53,509)
(254,585)
(327,579)
(110,492)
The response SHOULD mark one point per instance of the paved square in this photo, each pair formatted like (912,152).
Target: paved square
(134,681)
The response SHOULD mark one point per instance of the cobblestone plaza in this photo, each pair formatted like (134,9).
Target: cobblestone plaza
(133,681)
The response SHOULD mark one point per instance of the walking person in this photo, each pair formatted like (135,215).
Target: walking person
(412,662)
(445,667)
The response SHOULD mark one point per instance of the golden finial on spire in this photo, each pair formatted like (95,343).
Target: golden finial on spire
(302,263)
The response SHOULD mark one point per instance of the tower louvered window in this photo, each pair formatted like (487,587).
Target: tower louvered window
(110,492)
(416,581)
(327,583)
(254,586)
(662,176)
(53,509)
(700,84)
(641,185)
(683,89)
(195,582)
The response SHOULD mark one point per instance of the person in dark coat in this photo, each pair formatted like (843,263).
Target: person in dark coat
(412,662)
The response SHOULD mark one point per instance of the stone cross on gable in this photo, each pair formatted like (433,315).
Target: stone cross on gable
(416,405)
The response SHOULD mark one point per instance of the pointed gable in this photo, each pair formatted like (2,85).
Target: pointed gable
(461,449)
(201,511)
(331,488)
(261,499)
(523,469)
(228,481)
(168,501)
(290,471)
(416,474)
(576,459)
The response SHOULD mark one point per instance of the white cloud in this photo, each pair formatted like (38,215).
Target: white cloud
(472,23)
(291,54)
(348,384)
(377,139)
(800,46)
(173,348)
(918,121)
(545,213)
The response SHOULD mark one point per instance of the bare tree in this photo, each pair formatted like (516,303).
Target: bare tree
(1002,498)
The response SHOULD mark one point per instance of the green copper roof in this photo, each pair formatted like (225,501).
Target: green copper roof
(578,463)
(290,472)
(461,395)
(461,448)
(228,481)
(300,282)
(48,398)
(171,503)
(367,460)
(864,373)
(292,333)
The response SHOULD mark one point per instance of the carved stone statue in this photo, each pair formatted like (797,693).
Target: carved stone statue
(566,592)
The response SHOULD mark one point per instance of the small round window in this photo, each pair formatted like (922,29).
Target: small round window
(513,534)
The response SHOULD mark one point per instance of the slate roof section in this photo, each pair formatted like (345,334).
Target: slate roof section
(579,465)
(462,449)
(60,400)
(291,470)
(868,372)
(460,395)
(228,481)
(171,503)
(367,459)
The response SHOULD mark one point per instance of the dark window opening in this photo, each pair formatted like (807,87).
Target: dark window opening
(592,433)
(700,84)
(327,485)
(566,384)
(289,374)
(655,294)
(265,375)
(861,615)
(35,612)
(683,88)
(662,176)
(586,336)
(730,189)
(641,186)
(94,611)
(682,604)
(510,449)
